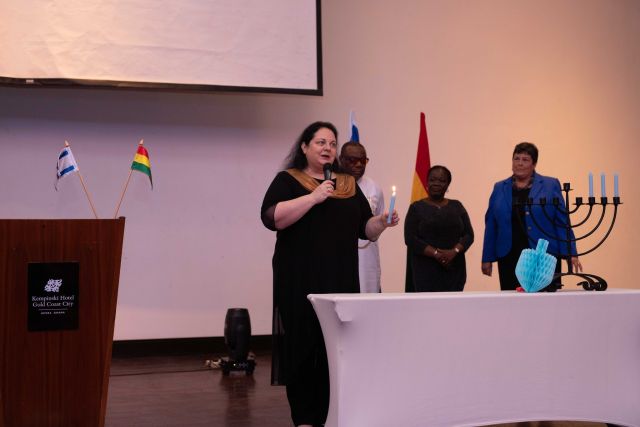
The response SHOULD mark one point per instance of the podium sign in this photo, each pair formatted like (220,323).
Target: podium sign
(53,295)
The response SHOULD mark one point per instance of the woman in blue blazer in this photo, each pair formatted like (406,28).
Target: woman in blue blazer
(508,226)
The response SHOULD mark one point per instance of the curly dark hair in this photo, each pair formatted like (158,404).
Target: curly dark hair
(296,158)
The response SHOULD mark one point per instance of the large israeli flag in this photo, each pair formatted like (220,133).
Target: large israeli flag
(66,164)
(355,134)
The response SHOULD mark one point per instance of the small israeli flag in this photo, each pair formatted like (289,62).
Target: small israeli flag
(66,164)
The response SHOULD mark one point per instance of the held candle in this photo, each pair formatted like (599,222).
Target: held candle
(391,204)
(603,187)
(615,185)
(590,184)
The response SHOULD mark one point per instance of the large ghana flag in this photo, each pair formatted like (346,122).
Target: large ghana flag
(419,188)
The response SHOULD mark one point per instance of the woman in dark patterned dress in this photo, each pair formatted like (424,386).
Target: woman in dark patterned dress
(438,232)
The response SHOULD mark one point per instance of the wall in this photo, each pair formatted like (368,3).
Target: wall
(562,74)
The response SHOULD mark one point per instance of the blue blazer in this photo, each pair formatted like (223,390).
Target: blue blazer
(497,220)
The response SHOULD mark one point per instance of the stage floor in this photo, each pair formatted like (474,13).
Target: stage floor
(179,391)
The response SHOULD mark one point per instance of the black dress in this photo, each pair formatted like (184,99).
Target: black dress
(317,254)
(441,227)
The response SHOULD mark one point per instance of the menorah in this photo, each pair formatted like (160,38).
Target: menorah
(591,281)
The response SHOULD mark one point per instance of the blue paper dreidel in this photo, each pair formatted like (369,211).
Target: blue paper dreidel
(535,268)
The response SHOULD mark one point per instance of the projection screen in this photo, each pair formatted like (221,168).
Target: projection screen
(250,45)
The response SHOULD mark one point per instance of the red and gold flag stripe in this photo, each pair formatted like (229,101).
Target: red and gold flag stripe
(419,187)
(141,162)
(423,163)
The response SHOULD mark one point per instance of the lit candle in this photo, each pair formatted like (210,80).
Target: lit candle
(615,185)
(603,187)
(392,203)
(590,184)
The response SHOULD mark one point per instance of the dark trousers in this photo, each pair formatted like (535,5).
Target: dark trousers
(308,390)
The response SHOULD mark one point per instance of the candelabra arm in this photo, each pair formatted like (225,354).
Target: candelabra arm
(553,220)
(545,232)
(574,210)
(564,225)
(593,230)
(586,218)
(533,243)
(613,221)
(560,208)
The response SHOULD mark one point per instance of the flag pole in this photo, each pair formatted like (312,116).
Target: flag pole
(84,187)
(87,193)
(419,187)
(126,184)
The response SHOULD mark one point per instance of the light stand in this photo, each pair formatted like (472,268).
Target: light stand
(237,334)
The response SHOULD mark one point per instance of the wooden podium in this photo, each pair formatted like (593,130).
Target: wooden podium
(57,378)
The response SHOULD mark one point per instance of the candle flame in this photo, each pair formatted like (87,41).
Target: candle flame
(393,189)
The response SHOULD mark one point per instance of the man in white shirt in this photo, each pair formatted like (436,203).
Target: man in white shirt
(353,159)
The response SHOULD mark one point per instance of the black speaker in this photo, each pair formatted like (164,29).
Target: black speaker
(237,333)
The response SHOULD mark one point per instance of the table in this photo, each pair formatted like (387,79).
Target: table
(478,358)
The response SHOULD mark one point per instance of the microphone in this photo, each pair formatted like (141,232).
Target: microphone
(327,171)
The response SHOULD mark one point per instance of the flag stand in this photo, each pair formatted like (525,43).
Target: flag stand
(88,196)
(84,187)
(140,163)
(418,189)
(126,184)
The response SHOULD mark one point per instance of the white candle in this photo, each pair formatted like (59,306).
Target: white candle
(615,185)
(392,203)
(590,184)
(603,187)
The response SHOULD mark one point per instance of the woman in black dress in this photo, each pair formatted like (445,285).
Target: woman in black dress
(438,232)
(318,223)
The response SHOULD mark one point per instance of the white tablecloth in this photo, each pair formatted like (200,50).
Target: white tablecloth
(478,358)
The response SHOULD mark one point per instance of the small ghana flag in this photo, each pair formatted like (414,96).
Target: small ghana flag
(141,162)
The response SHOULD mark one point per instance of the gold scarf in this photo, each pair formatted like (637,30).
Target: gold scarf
(345,184)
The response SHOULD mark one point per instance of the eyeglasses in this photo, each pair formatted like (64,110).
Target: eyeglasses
(355,160)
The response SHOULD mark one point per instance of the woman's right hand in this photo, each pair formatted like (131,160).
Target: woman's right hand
(487,268)
(445,256)
(290,211)
(322,191)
